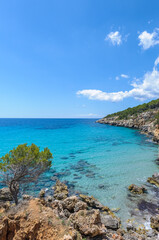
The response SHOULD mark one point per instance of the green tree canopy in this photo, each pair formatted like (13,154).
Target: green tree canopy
(135,110)
(22,165)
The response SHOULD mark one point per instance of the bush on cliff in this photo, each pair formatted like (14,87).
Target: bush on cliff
(23,165)
(135,110)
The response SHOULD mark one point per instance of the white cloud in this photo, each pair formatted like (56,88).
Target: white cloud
(124,76)
(114,37)
(117,78)
(148,40)
(147,88)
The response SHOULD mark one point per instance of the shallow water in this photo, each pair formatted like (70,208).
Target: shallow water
(96,159)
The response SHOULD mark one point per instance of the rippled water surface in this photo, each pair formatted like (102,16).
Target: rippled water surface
(96,159)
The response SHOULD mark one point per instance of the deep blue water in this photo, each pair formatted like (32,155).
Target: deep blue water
(96,159)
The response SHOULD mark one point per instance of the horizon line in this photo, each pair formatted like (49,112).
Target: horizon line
(47,118)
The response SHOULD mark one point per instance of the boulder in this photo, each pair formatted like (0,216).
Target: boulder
(42,193)
(91,201)
(26,197)
(136,189)
(49,198)
(58,209)
(155,222)
(154,179)
(95,204)
(73,204)
(5,194)
(130,227)
(88,222)
(60,191)
(80,206)
(110,222)
(69,203)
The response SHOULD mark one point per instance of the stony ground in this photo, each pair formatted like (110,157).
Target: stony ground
(63,217)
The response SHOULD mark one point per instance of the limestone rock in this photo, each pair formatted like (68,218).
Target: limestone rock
(144,121)
(154,179)
(69,203)
(60,191)
(110,222)
(26,197)
(137,190)
(5,194)
(88,222)
(91,201)
(155,222)
(42,193)
(80,206)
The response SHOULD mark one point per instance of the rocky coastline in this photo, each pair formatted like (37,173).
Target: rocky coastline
(145,122)
(64,214)
(61,216)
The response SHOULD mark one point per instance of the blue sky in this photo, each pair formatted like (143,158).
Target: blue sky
(84,58)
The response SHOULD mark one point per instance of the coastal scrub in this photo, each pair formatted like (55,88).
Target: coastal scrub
(22,165)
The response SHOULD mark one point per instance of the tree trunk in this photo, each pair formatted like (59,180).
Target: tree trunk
(14,190)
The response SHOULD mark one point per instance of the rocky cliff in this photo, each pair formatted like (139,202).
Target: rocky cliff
(145,121)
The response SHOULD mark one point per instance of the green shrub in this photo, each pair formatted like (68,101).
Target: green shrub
(135,110)
(22,165)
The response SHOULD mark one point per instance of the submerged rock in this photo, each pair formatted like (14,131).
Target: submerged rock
(157,161)
(150,207)
(136,189)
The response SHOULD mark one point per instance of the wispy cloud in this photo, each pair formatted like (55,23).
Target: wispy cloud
(121,76)
(147,88)
(147,40)
(114,37)
(124,76)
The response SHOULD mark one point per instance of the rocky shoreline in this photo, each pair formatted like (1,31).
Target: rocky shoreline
(145,122)
(61,216)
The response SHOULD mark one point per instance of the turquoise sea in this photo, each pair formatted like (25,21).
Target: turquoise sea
(95,159)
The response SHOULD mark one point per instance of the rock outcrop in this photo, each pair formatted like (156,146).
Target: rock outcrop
(69,218)
(5,194)
(155,222)
(110,222)
(88,222)
(60,190)
(145,122)
(136,189)
(154,179)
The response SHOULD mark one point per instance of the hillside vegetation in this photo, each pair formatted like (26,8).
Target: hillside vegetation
(136,110)
(157,117)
